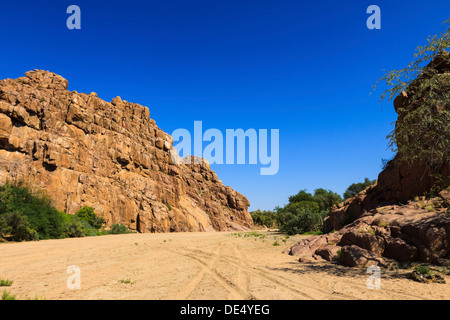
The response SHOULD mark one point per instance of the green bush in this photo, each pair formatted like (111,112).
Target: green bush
(119,229)
(18,202)
(6,283)
(305,212)
(75,229)
(88,215)
(422,269)
(8,296)
(16,225)
(356,188)
(27,215)
(326,199)
(264,218)
(300,221)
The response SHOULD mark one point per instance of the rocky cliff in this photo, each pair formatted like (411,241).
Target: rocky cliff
(399,181)
(110,156)
(390,221)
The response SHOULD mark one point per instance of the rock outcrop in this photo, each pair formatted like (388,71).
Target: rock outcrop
(110,156)
(390,220)
(399,181)
(418,230)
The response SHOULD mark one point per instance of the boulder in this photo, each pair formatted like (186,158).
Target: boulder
(354,256)
(328,252)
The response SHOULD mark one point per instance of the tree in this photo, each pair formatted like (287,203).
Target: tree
(326,198)
(17,226)
(356,188)
(305,211)
(264,218)
(302,195)
(36,207)
(118,228)
(423,132)
(88,215)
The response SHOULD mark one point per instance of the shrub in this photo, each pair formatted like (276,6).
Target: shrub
(5,283)
(27,215)
(127,281)
(119,229)
(326,199)
(300,221)
(17,227)
(42,217)
(264,218)
(8,296)
(305,211)
(356,188)
(76,228)
(88,215)
(423,269)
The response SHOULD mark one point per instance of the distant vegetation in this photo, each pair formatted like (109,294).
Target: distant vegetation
(26,215)
(119,229)
(305,212)
(356,188)
(264,218)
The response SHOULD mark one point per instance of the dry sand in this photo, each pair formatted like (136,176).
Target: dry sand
(207,266)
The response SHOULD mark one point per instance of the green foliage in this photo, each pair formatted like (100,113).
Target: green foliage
(5,283)
(29,215)
(300,221)
(16,226)
(356,188)
(8,296)
(249,234)
(302,195)
(264,218)
(88,215)
(422,269)
(305,211)
(119,229)
(127,281)
(423,134)
(76,227)
(326,199)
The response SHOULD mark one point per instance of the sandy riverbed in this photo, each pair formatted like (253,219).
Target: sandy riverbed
(190,266)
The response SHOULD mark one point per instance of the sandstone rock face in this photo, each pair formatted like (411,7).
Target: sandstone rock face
(110,156)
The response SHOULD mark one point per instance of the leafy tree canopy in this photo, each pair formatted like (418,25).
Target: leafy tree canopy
(356,188)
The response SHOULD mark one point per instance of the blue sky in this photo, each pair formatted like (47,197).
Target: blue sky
(303,67)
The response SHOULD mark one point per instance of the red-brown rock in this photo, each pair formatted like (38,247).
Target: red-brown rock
(111,156)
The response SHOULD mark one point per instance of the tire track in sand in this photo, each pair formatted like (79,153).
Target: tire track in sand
(207,268)
(293,287)
(353,283)
(249,270)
